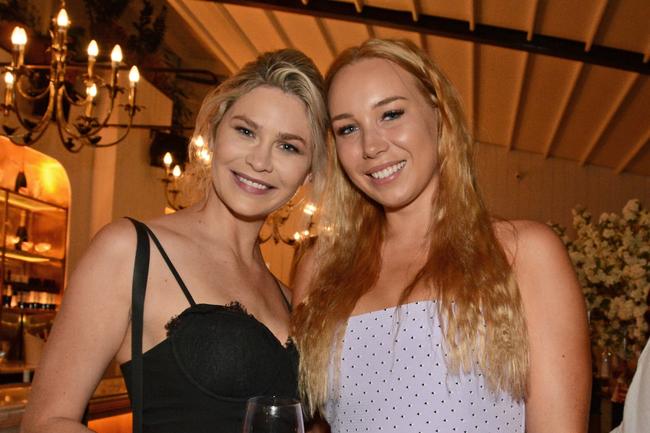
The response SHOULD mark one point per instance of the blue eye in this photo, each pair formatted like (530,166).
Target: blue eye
(392,114)
(345,130)
(289,147)
(244,131)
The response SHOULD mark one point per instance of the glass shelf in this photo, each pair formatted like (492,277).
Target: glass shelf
(28,203)
(30,257)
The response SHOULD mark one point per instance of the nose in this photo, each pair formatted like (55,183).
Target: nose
(259,157)
(373,144)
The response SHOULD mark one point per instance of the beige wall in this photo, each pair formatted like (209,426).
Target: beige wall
(524,185)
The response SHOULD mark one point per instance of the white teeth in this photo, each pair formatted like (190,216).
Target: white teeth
(382,174)
(251,183)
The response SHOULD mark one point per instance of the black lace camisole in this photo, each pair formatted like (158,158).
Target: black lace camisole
(214,358)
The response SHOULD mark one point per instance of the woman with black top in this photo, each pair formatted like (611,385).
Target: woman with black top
(213,322)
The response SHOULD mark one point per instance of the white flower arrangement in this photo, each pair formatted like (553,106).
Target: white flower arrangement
(612,260)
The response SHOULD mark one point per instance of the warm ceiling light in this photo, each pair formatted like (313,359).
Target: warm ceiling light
(62,19)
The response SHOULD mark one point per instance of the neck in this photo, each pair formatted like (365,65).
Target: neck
(411,224)
(218,226)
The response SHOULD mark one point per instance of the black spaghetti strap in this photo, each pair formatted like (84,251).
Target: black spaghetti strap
(170,265)
(140,276)
(284,297)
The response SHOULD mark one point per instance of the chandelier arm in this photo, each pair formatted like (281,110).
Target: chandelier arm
(171,201)
(29,97)
(126,132)
(41,125)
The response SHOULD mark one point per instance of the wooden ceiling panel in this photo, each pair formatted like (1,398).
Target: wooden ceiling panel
(345,34)
(516,99)
(641,164)
(573,19)
(257,26)
(626,25)
(398,5)
(387,32)
(458,10)
(590,106)
(451,56)
(630,125)
(304,33)
(222,29)
(497,97)
(545,91)
(512,14)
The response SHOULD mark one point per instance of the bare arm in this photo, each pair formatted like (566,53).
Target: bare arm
(559,386)
(87,333)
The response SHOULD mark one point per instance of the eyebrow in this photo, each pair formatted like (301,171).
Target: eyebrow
(280,136)
(380,103)
(246,120)
(287,136)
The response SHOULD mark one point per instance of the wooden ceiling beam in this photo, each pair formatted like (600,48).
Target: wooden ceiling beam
(472,14)
(242,34)
(326,36)
(278,28)
(615,106)
(371,31)
(458,29)
(415,9)
(634,151)
(204,35)
(519,97)
(473,91)
(593,29)
(424,43)
(564,105)
(532,18)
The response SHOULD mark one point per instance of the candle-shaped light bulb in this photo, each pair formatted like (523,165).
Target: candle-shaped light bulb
(91,91)
(9,80)
(116,58)
(9,85)
(167,159)
(309,209)
(93,49)
(176,172)
(204,154)
(134,76)
(18,39)
(19,36)
(62,19)
(198,142)
(116,54)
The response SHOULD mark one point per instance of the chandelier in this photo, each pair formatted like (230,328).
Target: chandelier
(85,128)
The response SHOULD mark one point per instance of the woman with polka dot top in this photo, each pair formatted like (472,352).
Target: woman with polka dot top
(418,312)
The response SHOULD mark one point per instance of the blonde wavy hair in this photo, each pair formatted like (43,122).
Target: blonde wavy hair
(466,268)
(287,69)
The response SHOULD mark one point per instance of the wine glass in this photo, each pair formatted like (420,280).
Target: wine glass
(272,414)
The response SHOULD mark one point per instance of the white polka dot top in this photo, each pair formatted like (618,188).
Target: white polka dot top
(393,379)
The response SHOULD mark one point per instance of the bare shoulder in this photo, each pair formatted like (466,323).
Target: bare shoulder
(529,243)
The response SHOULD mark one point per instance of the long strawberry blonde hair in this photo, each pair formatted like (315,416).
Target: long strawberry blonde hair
(466,268)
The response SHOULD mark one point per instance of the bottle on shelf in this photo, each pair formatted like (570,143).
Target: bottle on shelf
(7,292)
(21,231)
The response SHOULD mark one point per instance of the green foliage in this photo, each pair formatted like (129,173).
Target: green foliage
(105,11)
(150,32)
(19,11)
